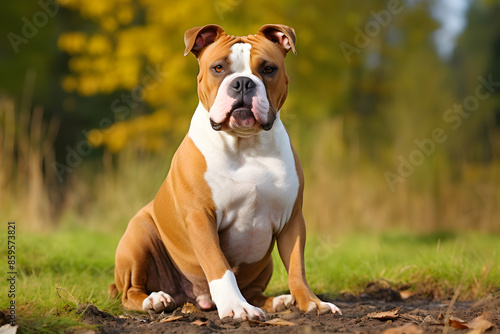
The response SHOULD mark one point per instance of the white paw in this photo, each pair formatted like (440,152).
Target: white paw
(230,302)
(240,310)
(158,302)
(325,307)
(282,303)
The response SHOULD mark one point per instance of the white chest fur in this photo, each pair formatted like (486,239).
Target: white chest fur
(254,185)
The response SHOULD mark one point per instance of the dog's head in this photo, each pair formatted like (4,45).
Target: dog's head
(242,81)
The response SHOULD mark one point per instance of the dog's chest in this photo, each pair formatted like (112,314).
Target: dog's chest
(254,200)
(254,186)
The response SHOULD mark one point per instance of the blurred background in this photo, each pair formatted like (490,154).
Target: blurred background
(393,107)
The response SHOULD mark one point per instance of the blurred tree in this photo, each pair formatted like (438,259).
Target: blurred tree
(371,63)
(477,60)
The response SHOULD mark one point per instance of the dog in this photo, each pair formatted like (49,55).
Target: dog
(234,189)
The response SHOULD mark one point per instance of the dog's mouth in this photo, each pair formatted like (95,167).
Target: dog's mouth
(243,117)
(239,119)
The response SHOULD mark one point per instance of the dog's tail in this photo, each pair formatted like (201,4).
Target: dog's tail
(113,291)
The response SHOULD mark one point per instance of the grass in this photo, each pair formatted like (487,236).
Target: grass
(61,270)
(56,273)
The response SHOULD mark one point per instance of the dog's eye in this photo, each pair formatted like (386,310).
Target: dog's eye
(268,70)
(219,69)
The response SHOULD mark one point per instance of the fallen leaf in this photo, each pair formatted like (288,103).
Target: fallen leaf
(458,323)
(188,308)
(406,329)
(198,322)
(479,325)
(388,315)
(172,318)
(279,322)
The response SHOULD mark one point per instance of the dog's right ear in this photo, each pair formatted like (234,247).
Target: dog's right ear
(198,38)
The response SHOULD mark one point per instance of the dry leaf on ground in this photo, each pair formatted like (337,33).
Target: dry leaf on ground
(479,325)
(198,322)
(279,322)
(172,318)
(458,323)
(387,315)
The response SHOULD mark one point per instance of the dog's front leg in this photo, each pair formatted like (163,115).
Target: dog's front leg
(291,243)
(202,231)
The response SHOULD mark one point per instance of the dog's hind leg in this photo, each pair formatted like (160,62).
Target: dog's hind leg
(144,272)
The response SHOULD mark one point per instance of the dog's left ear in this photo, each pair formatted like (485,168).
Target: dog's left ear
(198,38)
(281,34)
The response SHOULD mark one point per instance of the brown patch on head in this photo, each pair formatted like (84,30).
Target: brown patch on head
(214,55)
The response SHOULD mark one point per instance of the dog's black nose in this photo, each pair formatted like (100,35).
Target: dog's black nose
(241,85)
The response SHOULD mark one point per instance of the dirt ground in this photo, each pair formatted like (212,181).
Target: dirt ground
(384,312)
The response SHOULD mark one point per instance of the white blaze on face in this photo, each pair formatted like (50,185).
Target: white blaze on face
(240,58)
(240,66)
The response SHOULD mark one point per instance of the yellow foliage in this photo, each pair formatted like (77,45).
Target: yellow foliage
(72,42)
(109,23)
(144,132)
(89,85)
(130,38)
(117,56)
(98,44)
(125,14)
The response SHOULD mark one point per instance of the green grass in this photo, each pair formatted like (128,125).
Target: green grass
(56,273)
(80,263)
(430,266)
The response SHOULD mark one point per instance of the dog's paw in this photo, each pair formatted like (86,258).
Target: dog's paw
(240,310)
(158,302)
(281,303)
(322,308)
(229,300)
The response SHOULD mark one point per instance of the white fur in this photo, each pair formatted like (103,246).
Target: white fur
(229,301)
(156,298)
(326,307)
(254,185)
(240,58)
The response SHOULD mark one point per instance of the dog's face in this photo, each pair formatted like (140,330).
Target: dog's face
(242,80)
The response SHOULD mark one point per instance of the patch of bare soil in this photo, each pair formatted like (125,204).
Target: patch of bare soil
(390,315)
